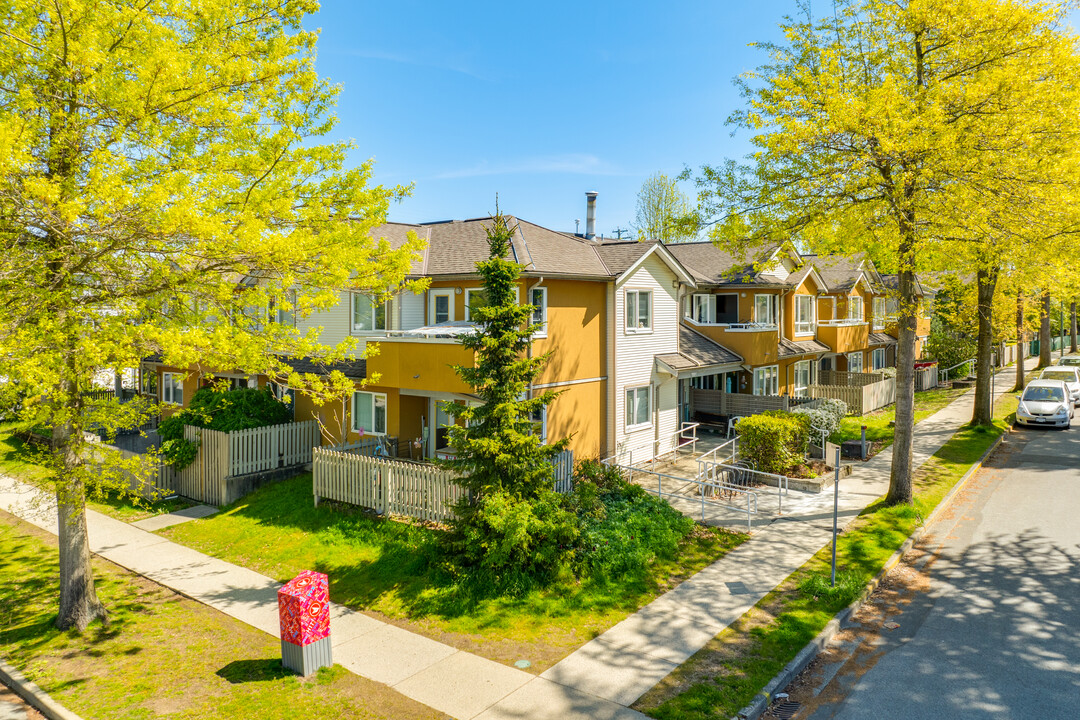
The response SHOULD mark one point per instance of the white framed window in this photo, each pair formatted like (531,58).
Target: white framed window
(804,314)
(539,421)
(368,315)
(878,358)
(442,306)
(767,380)
(854,362)
(855,308)
(172,388)
(879,312)
(638,406)
(639,310)
(538,299)
(802,377)
(279,314)
(765,309)
(369,413)
(703,308)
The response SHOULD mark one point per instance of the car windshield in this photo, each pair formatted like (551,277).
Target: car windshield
(1070,361)
(1066,375)
(1044,394)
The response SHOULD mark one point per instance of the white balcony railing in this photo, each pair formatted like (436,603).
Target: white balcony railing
(736,327)
(841,322)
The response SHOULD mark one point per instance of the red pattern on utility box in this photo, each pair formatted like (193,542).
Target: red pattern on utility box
(304,608)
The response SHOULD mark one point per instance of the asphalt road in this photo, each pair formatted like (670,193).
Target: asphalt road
(983,621)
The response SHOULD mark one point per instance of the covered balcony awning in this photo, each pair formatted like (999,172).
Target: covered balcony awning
(878,338)
(789,348)
(697,356)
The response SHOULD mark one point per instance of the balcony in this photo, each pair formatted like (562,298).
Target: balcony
(420,363)
(844,336)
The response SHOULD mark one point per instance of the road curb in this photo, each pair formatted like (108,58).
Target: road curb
(763,699)
(34,695)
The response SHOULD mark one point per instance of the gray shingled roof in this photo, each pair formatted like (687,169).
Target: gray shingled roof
(698,351)
(789,348)
(454,248)
(840,273)
(892,282)
(711,265)
(880,339)
(350,368)
(618,257)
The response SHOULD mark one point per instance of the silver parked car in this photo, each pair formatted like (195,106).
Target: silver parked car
(1068,375)
(1045,402)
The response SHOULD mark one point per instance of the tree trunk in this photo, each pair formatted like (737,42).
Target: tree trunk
(900,488)
(79,604)
(1020,354)
(1072,312)
(983,413)
(1045,341)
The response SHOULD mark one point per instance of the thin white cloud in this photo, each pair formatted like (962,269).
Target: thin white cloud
(414,61)
(572,164)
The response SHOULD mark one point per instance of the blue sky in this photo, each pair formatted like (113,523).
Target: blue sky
(538,102)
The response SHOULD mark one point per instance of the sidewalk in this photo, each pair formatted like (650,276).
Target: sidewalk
(625,662)
(599,680)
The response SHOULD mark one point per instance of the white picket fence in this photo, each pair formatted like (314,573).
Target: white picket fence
(390,487)
(400,487)
(268,448)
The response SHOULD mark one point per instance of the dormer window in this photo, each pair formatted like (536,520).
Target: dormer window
(855,308)
(804,313)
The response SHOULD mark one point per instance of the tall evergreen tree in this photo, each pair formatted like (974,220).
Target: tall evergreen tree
(497,447)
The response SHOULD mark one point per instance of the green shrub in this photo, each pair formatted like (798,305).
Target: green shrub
(774,441)
(634,530)
(179,452)
(827,416)
(512,545)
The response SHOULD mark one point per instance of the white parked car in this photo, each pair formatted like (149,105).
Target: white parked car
(1068,375)
(1045,402)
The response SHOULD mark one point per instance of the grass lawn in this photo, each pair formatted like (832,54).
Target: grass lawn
(878,429)
(723,677)
(17,460)
(161,654)
(382,567)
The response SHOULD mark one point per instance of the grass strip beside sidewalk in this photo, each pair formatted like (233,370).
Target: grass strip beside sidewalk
(160,654)
(726,674)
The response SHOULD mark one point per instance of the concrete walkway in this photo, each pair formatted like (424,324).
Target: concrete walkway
(625,662)
(599,680)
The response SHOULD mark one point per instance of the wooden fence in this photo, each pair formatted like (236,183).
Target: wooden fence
(836,378)
(718,402)
(228,466)
(387,486)
(269,448)
(926,378)
(860,400)
(401,487)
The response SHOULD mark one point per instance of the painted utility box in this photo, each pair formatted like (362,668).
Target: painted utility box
(304,611)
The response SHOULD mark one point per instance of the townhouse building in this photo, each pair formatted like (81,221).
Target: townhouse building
(632,328)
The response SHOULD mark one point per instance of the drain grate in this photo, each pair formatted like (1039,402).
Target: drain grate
(784,710)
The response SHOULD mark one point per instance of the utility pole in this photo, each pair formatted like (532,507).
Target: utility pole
(619,232)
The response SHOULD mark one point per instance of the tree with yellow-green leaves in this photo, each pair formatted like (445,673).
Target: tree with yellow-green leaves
(871,125)
(165,187)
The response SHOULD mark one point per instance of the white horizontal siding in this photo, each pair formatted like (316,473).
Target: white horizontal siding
(634,358)
(411,310)
(334,321)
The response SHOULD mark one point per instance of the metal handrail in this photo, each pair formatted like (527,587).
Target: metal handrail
(743,466)
(712,455)
(943,375)
(751,496)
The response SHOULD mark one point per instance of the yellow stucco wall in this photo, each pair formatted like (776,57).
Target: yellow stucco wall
(756,348)
(420,365)
(575,331)
(579,413)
